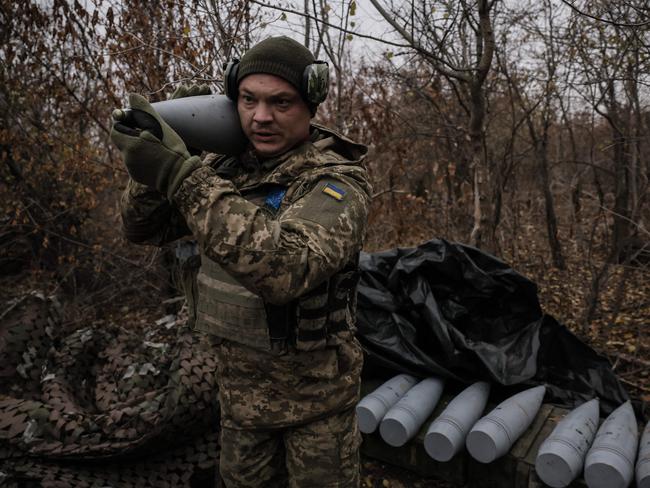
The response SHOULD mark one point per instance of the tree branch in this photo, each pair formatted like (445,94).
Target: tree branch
(316,19)
(437,63)
(600,19)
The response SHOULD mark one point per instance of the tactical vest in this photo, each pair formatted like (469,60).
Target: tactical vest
(228,310)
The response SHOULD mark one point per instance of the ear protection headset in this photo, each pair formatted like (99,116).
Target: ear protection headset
(314,86)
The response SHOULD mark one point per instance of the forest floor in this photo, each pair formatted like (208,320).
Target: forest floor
(618,328)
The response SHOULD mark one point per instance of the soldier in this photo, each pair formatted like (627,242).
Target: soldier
(279,230)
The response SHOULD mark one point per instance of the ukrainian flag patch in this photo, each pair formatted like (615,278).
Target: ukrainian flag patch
(334,191)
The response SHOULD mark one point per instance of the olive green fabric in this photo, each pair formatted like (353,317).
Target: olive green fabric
(226,309)
(279,56)
(160,164)
(183,91)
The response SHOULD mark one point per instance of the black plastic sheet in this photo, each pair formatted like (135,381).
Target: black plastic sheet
(452,310)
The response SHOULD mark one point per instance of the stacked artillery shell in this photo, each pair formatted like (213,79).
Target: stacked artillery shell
(562,455)
(372,408)
(643,463)
(610,461)
(446,434)
(404,419)
(494,434)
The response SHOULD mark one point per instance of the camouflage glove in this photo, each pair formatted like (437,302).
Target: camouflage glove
(161,161)
(183,91)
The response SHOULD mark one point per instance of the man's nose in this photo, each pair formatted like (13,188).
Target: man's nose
(263,113)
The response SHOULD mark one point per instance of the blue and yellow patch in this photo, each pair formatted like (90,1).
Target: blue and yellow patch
(334,191)
(274,198)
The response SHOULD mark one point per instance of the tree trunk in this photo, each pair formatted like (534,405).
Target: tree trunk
(621,211)
(483,234)
(551,218)
(479,235)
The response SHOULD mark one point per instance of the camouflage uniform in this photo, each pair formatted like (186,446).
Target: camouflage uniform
(277,228)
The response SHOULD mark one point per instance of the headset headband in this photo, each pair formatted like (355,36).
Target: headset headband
(314,87)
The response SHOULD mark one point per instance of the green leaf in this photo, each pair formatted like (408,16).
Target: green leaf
(353,7)
(283,16)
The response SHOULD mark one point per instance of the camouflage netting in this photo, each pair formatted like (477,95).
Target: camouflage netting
(103,406)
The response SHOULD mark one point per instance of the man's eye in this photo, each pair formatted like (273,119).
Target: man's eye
(247,98)
(283,103)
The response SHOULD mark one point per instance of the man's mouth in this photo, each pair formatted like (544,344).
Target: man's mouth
(264,135)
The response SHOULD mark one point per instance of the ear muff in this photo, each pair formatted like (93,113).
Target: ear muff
(315,81)
(230,71)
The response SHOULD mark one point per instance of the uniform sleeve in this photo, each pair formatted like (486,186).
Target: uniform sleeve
(282,257)
(148,217)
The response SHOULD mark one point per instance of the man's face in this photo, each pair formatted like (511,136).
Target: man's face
(273,115)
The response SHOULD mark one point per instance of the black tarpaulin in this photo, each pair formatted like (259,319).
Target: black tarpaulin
(452,310)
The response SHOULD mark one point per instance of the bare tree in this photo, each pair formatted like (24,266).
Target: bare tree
(536,102)
(459,45)
(335,43)
(612,69)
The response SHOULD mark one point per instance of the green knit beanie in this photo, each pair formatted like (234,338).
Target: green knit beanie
(279,56)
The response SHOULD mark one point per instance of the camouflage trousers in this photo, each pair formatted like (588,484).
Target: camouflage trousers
(323,453)
(289,420)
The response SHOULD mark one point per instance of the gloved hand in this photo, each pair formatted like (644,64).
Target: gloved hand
(162,163)
(183,91)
